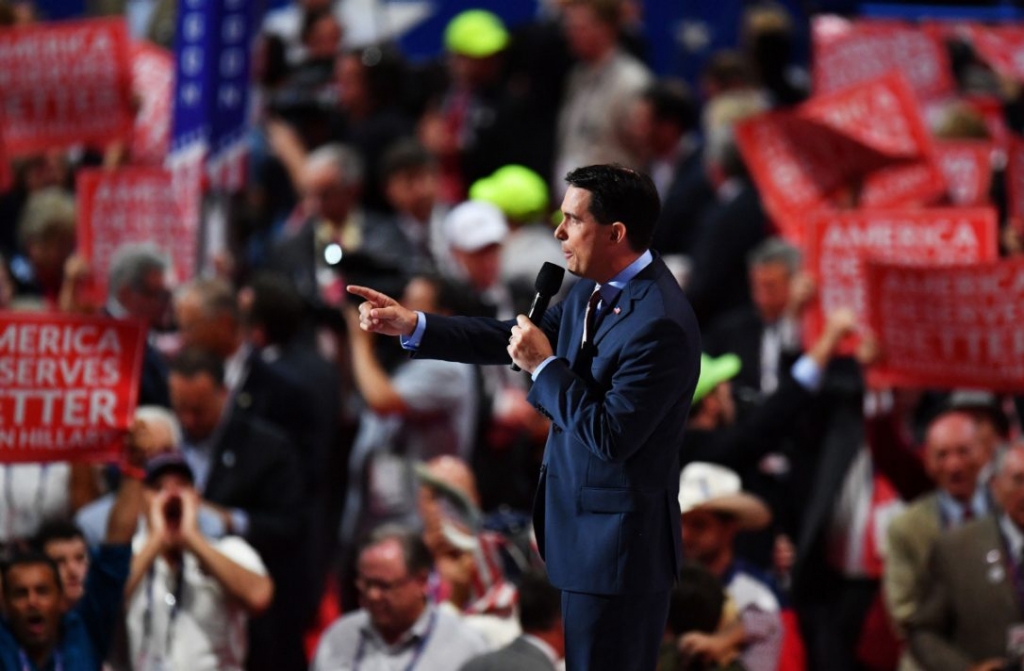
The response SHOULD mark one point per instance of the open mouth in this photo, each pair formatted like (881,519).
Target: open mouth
(35,624)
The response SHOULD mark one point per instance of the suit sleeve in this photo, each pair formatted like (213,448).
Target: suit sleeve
(741,446)
(477,340)
(931,624)
(899,577)
(615,424)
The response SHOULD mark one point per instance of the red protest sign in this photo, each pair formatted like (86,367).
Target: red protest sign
(64,83)
(837,149)
(880,114)
(6,174)
(133,205)
(153,85)
(1001,47)
(991,110)
(792,176)
(919,183)
(948,327)
(68,386)
(1015,183)
(836,245)
(967,166)
(851,52)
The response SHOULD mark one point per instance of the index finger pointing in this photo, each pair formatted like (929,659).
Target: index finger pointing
(372,295)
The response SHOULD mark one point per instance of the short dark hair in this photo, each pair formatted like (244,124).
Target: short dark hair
(414,551)
(56,530)
(277,307)
(620,194)
(193,361)
(29,558)
(310,20)
(540,603)
(608,12)
(404,154)
(696,601)
(671,100)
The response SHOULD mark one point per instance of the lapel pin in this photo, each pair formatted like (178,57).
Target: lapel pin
(617,309)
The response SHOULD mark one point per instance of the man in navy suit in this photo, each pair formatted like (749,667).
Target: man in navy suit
(606,512)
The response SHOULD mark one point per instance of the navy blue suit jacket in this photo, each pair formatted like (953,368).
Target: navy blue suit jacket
(606,512)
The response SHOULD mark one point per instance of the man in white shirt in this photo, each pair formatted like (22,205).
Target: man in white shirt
(189,598)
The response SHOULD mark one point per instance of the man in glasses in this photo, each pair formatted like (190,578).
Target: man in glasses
(396,627)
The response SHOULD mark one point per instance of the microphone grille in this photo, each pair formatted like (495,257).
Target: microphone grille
(549,279)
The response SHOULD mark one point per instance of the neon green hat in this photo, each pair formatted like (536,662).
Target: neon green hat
(518,191)
(713,372)
(476,33)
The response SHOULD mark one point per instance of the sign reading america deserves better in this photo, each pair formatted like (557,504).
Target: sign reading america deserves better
(68,386)
(64,83)
(950,327)
(837,245)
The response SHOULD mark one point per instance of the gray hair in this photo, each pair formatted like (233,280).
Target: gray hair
(1002,456)
(721,114)
(160,414)
(132,262)
(342,158)
(775,250)
(48,210)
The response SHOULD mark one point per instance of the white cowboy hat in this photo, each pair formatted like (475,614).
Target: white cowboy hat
(704,486)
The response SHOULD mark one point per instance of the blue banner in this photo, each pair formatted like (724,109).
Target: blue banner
(195,47)
(230,104)
(212,55)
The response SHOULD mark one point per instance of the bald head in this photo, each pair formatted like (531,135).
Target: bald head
(953,455)
(455,473)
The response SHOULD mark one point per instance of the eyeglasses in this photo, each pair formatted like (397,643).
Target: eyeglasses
(364,585)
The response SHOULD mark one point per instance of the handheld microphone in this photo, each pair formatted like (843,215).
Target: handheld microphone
(547,284)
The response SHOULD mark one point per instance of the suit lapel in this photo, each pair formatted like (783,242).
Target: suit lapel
(618,312)
(577,317)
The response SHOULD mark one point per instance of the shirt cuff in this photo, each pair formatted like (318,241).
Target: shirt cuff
(239,522)
(538,369)
(807,373)
(413,341)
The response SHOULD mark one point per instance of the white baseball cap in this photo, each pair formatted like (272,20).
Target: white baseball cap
(473,225)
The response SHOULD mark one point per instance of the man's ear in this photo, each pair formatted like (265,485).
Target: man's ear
(618,232)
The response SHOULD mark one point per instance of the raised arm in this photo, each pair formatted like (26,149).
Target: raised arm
(249,588)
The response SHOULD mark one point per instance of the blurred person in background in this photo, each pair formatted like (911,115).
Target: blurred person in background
(664,123)
(953,458)
(599,91)
(714,510)
(188,596)
(969,610)
(46,235)
(735,223)
(396,626)
(541,646)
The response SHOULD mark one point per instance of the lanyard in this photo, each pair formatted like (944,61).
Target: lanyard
(415,655)
(58,661)
(173,601)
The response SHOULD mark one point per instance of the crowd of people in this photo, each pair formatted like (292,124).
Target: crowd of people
(299,493)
